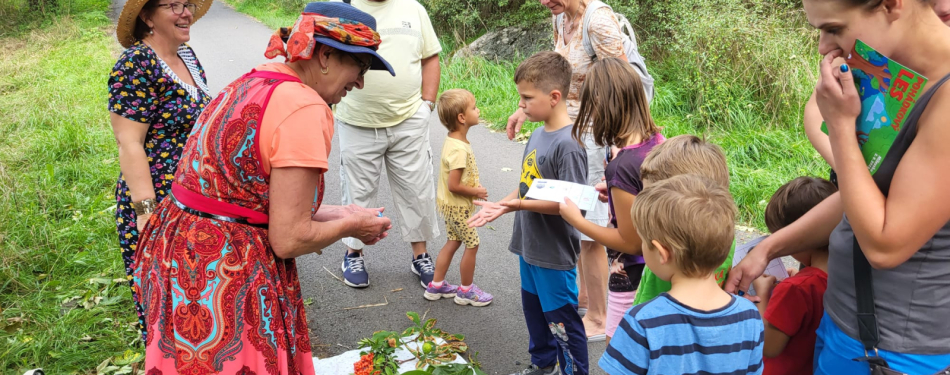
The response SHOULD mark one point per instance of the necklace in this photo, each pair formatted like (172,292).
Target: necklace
(571,22)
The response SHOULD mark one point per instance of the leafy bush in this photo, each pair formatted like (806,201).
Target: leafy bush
(713,54)
(19,16)
(722,54)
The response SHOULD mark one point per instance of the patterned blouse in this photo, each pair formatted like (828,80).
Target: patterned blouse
(142,88)
(605,37)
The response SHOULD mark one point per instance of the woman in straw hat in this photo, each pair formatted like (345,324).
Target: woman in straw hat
(156,91)
(215,266)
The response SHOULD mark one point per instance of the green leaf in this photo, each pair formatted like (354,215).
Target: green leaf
(430,324)
(414,317)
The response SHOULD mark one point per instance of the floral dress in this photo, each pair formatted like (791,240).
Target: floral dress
(217,299)
(142,88)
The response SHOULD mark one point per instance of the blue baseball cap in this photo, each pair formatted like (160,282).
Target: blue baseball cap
(348,12)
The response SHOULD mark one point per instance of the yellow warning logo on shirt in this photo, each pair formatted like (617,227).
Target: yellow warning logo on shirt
(529,172)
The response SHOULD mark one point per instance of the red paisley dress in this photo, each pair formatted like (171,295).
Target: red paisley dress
(216,298)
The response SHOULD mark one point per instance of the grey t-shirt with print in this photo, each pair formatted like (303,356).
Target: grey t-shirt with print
(547,240)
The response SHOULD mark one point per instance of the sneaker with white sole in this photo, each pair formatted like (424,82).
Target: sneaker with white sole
(474,296)
(423,267)
(354,271)
(535,370)
(445,291)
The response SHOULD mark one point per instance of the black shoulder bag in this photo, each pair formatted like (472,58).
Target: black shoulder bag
(867,321)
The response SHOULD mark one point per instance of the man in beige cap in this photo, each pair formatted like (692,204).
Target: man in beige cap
(387,124)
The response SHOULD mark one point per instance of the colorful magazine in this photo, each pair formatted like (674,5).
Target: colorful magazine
(886,100)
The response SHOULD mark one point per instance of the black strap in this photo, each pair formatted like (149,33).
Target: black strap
(347,1)
(864,291)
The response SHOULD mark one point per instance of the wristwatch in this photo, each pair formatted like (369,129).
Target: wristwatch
(430,104)
(144,207)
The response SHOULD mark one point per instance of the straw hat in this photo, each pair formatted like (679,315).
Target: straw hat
(130,12)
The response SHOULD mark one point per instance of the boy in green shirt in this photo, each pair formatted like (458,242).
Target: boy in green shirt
(679,155)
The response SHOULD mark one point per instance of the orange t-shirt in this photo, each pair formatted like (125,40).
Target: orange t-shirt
(297,129)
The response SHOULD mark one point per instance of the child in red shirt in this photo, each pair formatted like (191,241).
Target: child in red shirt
(793,308)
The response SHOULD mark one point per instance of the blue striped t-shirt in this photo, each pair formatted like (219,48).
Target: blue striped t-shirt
(664,336)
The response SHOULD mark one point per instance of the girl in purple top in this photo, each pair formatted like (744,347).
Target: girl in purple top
(615,111)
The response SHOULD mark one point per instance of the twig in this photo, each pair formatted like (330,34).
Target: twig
(366,306)
(423,319)
(396,290)
(331,274)
(407,360)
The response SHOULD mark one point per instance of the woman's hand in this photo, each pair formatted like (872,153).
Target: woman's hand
(515,121)
(570,212)
(330,213)
(744,273)
(368,227)
(140,221)
(837,97)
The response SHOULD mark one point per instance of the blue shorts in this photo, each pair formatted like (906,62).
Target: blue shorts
(835,352)
(555,288)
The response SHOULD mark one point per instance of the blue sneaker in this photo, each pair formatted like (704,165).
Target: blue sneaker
(422,266)
(354,273)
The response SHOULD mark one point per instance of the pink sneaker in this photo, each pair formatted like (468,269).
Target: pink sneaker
(475,297)
(446,291)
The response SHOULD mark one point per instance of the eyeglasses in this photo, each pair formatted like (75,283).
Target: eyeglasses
(364,66)
(179,8)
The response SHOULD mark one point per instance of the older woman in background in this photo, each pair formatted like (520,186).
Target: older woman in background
(156,92)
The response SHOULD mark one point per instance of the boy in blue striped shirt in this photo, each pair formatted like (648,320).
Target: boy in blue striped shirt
(687,226)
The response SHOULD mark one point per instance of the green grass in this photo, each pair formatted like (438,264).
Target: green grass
(273,13)
(761,155)
(65,304)
(754,116)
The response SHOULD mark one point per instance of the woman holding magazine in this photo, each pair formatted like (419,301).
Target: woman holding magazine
(896,220)
(812,117)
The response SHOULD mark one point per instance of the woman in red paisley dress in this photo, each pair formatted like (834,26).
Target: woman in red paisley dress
(215,266)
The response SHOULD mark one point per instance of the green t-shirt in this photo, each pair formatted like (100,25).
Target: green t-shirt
(652,286)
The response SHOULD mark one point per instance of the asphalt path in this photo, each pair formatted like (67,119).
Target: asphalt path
(229,44)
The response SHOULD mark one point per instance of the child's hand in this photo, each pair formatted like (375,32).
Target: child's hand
(602,191)
(481,192)
(791,271)
(763,286)
(617,267)
(489,212)
(570,212)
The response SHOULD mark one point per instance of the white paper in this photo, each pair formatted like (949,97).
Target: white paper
(775,268)
(583,196)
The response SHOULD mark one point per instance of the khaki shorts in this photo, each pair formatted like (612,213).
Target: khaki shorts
(456,226)
(405,152)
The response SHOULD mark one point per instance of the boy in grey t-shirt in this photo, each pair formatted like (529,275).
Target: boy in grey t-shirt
(546,244)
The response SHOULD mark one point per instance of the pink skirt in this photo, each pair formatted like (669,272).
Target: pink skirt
(618,303)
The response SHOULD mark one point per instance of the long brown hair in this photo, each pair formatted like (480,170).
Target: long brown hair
(613,105)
